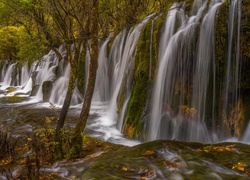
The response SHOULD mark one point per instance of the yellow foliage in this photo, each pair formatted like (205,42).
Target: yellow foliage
(130,131)
(240,166)
(229,148)
(149,153)
(124,168)
(235,120)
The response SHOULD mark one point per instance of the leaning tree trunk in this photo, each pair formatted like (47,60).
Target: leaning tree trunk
(67,100)
(81,123)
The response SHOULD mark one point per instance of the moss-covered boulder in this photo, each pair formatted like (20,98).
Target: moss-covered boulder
(173,160)
(146,60)
(46,89)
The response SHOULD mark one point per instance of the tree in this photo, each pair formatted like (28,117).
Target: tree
(81,123)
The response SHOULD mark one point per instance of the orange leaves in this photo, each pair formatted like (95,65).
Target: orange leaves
(240,166)
(6,161)
(149,153)
(229,148)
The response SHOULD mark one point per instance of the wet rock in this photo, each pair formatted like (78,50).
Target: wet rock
(173,160)
(34,90)
(47,88)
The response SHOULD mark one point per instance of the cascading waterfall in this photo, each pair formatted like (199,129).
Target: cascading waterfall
(59,90)
(186,101)
(9,74)
(45,72)
(205,71)
(123,71)
(233,62)
(101,92)
(176,65)
(24,74)
(4,68)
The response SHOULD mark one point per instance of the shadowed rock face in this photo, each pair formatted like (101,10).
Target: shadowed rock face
(47,89)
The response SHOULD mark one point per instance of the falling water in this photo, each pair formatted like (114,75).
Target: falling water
(232,74)
(9,74)
(45,72)
(124,68)
(24,74)
(4,68)
(60,86)
(183,101)
(101,92)
(173,116)
(206,67)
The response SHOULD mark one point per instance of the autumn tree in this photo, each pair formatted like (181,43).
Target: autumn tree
(77,138)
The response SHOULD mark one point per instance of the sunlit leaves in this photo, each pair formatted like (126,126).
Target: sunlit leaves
(17,44)
(240,166)
(9,38)
(229,148)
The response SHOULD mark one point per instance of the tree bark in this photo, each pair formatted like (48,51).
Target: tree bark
(82,121)
(67,100)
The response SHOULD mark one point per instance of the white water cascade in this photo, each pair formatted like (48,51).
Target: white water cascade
(169,116)
(123,70)
(9,74)
(101,92)
(186,98)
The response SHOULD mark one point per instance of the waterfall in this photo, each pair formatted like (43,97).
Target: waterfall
(9,74)
(60,86)
(101,92)
(187,101)
(45,72)
(232,69)
(4,68)
(24,74)
(123,69)
(150,50)
(172,115)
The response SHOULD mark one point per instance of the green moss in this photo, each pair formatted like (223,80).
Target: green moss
(14,99)
(81,72)
(188,159)
(245,44)
(142,78)
(221,35)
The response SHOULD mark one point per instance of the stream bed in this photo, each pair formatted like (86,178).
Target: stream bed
(124,158)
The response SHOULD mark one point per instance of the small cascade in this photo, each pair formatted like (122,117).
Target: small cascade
(123,70)
(4,69)
(60,86)
(232,70)
(45,71)
(150,50)
(246,135)
(9,74)
(101,92)
(204,83)
(115,57)
(25,75)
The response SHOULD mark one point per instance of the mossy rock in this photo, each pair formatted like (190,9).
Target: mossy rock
(146,60)
(47,89)
(13,99)
(172,160)
(34,90)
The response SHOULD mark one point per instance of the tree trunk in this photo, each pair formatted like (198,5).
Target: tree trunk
(66,104)
(81,123)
